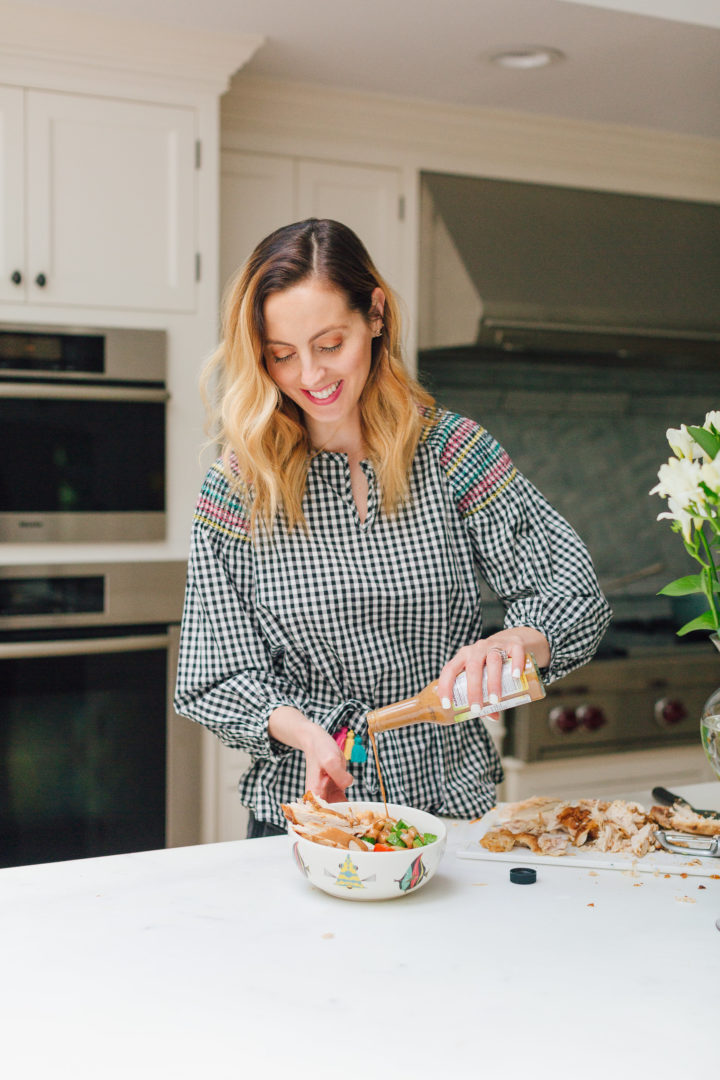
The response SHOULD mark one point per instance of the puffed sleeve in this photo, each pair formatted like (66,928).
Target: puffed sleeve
(228,679)
(525,550)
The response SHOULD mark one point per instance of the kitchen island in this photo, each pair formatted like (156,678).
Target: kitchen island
(221,961)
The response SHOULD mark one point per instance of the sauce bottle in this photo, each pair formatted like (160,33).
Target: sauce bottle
(426,706)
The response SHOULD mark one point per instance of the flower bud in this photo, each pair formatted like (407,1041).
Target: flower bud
(682,443)
(712,422)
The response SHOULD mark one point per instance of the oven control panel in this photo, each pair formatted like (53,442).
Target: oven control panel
(562,719)
(629,703)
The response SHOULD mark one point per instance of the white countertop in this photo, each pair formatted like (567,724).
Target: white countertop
(222,961)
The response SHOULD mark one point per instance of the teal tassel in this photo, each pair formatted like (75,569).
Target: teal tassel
(359,753)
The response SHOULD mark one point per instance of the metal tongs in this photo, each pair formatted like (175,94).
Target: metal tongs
(689,844)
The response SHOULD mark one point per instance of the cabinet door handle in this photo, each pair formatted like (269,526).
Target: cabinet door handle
(41,280)
(16,277)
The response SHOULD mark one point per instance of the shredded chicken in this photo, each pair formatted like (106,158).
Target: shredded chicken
(682,819)
(316,820)
(643,840)
(554,843)
(505,840)
(551,826)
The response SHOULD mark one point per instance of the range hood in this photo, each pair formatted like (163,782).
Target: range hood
(568,269)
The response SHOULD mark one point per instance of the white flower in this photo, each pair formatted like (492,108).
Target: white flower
(679,480)
(691,482)
(682,443)
(712,422)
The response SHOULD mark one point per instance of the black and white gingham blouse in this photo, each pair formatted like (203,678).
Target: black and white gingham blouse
(351,615)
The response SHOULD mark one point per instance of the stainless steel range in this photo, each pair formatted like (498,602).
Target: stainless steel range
(645,689)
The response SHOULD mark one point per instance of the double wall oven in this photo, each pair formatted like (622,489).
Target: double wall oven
(82,434)
(93,759)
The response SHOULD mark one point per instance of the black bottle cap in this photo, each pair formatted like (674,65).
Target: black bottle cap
(523,875)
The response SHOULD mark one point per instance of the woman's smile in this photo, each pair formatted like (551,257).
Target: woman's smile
(326,396)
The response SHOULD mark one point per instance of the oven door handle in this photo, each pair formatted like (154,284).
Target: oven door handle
(30,650)
(81,392)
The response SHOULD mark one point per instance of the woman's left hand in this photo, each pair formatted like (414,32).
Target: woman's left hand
(489,654)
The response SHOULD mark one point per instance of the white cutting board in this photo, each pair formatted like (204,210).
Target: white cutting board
(655,862)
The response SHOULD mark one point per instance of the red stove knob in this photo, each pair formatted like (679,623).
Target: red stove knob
(668,712)
(562,720)
(591,717)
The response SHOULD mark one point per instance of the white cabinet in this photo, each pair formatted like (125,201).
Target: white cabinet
(224,817)
(232,815)
(109,212)
(12,193)
(257,196)
(260,193)
(367,198)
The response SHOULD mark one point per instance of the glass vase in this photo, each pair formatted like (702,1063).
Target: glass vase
(710,723)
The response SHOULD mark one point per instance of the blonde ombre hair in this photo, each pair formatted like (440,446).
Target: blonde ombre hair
(265,445)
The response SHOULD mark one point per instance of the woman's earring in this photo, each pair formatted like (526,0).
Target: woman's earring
(378,332)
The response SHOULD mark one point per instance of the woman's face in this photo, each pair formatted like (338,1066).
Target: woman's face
(318,353)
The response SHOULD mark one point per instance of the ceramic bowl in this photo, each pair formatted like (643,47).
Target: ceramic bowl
(372,875)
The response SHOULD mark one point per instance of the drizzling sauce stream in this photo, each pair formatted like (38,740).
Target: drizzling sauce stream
(377,766)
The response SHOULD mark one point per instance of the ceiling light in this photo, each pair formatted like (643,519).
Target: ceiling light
(526,56)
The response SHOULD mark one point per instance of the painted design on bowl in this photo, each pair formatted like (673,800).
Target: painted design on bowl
(415,873)
(349,877)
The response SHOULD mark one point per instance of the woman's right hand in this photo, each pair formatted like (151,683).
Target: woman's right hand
(326,773)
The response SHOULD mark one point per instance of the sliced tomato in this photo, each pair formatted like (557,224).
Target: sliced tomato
(384,847)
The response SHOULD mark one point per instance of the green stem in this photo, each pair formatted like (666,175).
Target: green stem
(712,577)
(692,550)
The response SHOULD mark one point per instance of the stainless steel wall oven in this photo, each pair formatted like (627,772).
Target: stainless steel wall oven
(93,759)
(82,434)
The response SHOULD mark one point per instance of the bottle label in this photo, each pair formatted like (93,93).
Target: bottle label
(509,703)
(513,691)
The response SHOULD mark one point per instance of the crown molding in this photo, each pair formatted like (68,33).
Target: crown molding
(454,138)
(83,46)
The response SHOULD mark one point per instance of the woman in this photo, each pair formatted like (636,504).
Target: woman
(337,542)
